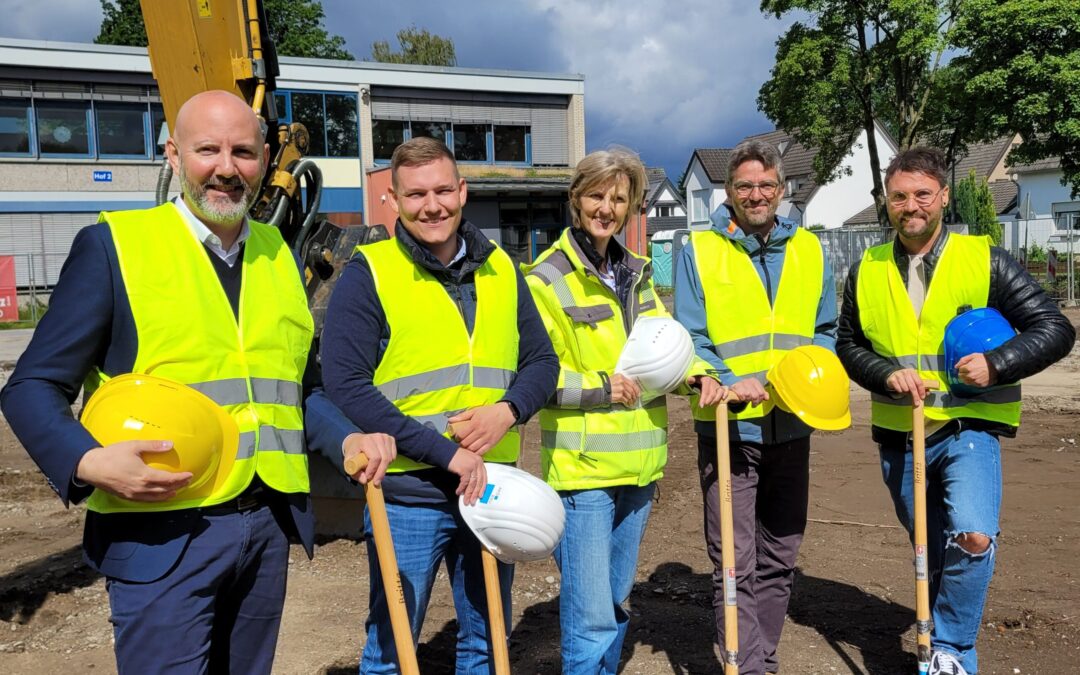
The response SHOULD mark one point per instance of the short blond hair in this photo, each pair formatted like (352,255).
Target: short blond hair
(418,152)
(602,167)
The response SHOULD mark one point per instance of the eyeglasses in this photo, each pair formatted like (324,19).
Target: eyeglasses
(923,198)
(767,189)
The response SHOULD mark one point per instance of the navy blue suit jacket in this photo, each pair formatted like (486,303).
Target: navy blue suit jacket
(89,324)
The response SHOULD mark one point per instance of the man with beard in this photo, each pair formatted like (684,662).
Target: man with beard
(750,289)
(897,303)
(193,292)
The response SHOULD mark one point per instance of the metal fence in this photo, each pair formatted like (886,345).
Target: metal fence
(1049,252)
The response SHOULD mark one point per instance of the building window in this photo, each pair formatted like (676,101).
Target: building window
(436,130)
(470,142)
(342,126)
(663,211)
(159,129)
(510,144)
(331,120)
(385,136)
(700,206)
(14,126)
(121,130)
(63,128)
(307,109)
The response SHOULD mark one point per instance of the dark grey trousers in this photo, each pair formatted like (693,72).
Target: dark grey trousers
(769,485)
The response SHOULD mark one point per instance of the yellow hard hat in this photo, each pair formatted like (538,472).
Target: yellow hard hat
(811,383)
(144,407)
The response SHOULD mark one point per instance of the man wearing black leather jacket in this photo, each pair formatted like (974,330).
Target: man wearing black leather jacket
(897,302)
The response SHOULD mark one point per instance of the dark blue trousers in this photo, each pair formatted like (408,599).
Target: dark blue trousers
(217,611)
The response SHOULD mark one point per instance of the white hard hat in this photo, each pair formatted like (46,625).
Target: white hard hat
(657,355)
(518,518)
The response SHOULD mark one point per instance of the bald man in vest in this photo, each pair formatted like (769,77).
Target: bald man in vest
(195,292)
(897,302)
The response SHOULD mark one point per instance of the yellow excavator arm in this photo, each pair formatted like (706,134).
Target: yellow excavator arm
(203,45)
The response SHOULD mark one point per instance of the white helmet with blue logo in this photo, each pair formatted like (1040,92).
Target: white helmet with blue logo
(518,518)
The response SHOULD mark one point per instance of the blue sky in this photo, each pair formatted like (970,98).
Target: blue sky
(660,77)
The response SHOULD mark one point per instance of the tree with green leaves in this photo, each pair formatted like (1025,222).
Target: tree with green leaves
(1019,69)
(294,26)
(121,24)
(975,206)
(852,64)
(418,46)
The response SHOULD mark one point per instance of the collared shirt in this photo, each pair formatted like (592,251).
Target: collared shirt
(460,255)
(208,238)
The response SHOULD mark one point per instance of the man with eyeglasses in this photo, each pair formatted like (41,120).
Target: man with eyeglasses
(897,301)
(749,289)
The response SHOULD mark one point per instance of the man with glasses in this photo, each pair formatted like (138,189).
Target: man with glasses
(897,301)
(749,289)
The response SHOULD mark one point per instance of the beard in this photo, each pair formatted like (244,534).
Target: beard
(219,212)
(932,224)
(753,220)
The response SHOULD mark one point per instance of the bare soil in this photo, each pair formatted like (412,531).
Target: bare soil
(851,612)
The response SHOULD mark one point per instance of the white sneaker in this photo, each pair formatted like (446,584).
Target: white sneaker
(943,663)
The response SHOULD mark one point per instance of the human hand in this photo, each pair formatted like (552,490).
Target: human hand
(750,391)
(712,392)
(624,389)
(119,469)
(975,370)
(908,381)
(367,456)
(470,467)
(479,429)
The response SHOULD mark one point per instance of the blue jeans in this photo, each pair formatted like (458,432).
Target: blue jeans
(217,611)
(424,536)
(963,494)
(597,559)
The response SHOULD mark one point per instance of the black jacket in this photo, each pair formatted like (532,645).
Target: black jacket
(1045,335)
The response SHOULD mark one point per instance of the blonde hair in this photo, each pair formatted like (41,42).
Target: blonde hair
(602,167)
(418,152)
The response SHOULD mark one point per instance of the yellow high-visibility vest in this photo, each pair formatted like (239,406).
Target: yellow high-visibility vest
(252,366)
(961,277)
(584,448)
(747,331)
(433,368)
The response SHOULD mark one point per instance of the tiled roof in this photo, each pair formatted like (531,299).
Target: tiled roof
(867,216)
(714,161)
(1048,164)
(657,178)
(983,158)
(1004,192)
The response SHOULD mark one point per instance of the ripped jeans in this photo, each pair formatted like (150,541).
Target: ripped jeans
(963,495)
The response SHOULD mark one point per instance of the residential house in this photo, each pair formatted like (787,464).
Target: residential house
(805,201)
(1048,216)
(664,206)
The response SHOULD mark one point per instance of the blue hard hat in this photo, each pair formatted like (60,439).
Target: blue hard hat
(973,331)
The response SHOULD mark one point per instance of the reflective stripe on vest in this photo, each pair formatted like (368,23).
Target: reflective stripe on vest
(961,277)
(433,368)
(585,442)
(749,332)
(187,332)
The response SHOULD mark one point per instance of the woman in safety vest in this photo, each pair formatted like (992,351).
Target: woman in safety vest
(601,449)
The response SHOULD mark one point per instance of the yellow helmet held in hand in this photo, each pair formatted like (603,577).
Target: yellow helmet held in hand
(810,382)
(144,407)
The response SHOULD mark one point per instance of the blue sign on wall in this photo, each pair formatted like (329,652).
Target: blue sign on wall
(103,176)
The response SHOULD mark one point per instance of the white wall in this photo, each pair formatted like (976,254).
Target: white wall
(834,203)
(696,179)
(667,198)
(1045,190)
